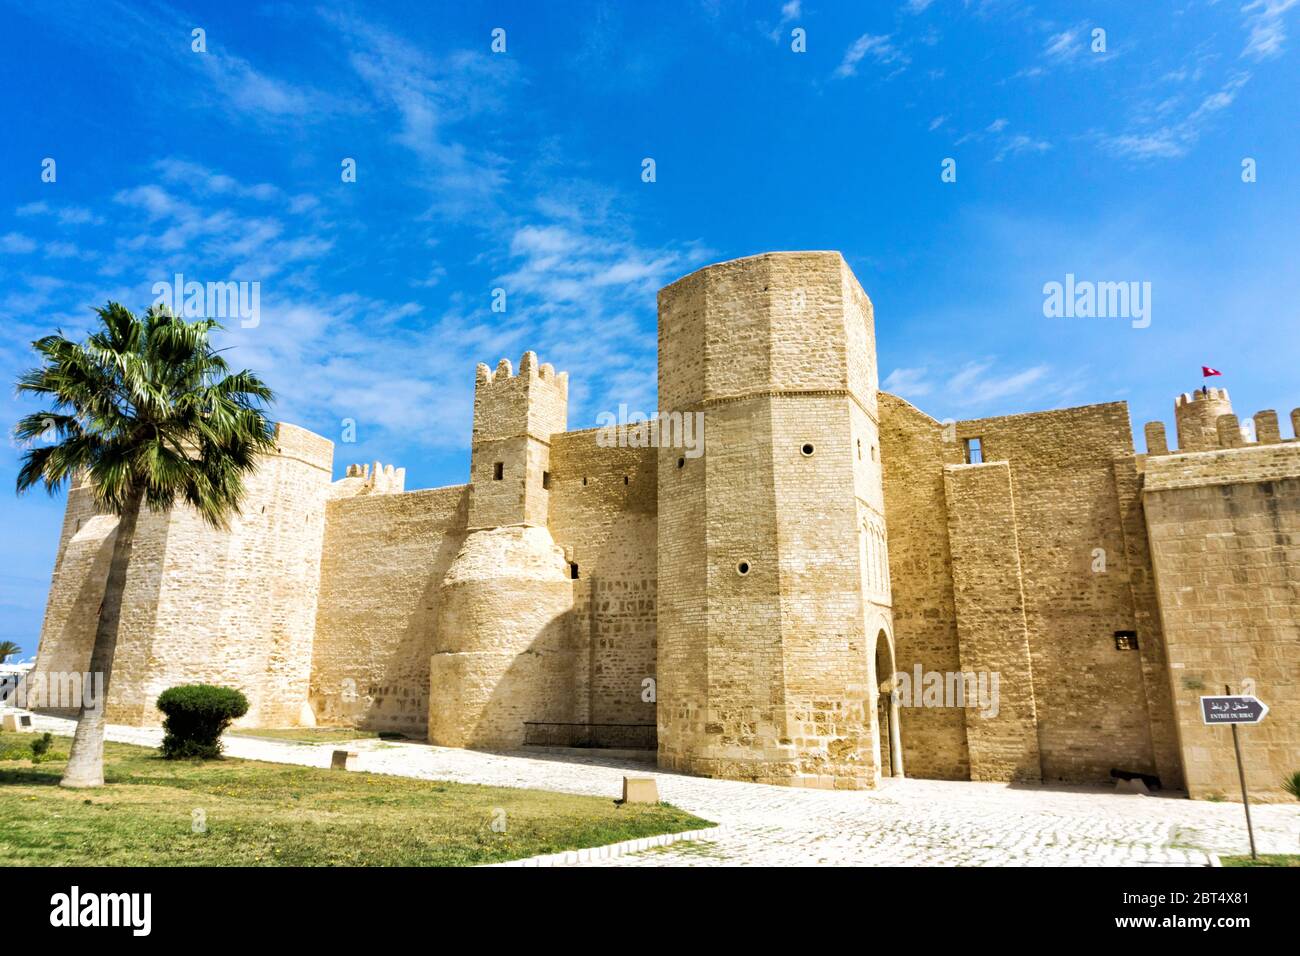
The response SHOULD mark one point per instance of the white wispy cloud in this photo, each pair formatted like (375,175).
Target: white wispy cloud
(1175,139)
(978,384)
(63,215)
(15,243)
(1020,143)
(1064,46)
(881,48)
(790,12)
(429,96)
(1005,143)
(975,385)
(908,382)
(1266,26)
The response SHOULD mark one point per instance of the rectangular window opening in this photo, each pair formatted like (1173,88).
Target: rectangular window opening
(1126,640)
(974,451)
(498,471)
(546,479)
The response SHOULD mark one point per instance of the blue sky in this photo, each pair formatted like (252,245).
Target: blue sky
(522,170)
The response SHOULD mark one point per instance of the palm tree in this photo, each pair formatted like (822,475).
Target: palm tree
(8,649)
(152,414)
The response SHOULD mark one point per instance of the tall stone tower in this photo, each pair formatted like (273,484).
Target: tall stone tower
(502,652)
(773,591)
(1196,417)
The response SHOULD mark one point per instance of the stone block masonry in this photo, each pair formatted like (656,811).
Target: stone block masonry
(993,638)
(753,605)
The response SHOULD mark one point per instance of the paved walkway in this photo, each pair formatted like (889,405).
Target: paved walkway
(905,822)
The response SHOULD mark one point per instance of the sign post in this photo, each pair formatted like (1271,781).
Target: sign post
(1236,709)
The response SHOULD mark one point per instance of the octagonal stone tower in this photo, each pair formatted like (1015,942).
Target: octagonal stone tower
(773,575)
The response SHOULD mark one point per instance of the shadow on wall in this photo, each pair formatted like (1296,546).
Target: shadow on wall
(538,685)
(401,700)
(381,586)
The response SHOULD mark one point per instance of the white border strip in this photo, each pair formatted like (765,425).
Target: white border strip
(595,854)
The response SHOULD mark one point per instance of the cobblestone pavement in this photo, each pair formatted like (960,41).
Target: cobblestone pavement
(904,822)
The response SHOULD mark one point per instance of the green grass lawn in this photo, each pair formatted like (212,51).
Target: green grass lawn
(305,735)
(262,814)
(1265,859)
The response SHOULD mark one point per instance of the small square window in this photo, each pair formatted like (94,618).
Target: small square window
(974,451)
(498,471)
(1126,640)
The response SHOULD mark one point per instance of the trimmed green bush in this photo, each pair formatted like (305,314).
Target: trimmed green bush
(196,717)
(42,744)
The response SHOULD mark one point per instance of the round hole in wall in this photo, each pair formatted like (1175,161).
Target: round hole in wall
(742,568)
(807,449)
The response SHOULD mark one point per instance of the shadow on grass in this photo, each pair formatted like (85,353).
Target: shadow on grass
(31,776)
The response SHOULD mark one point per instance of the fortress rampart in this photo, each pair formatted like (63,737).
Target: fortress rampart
(761,609)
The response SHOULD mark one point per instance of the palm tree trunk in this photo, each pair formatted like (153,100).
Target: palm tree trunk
(86,759)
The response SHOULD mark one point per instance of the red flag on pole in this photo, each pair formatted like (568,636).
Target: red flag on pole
(1206,371)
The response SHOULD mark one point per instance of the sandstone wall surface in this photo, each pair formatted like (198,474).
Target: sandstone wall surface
(1224,528)
(912,452)
(234,607)
(383,561)
(764,662)
(1090,697)
(603,515)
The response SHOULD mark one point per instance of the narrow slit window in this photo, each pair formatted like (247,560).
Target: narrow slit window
(498,471)
(546,480)
(573,570)
(974,451)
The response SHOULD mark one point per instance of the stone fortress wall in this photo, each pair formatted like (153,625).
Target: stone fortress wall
(748,607)
(236,607)
(1223,519)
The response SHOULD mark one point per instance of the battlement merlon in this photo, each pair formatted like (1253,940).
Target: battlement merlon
(515,416)
(1202,395)
(1196,418)
(1213,426)
(534,402)
(376,479)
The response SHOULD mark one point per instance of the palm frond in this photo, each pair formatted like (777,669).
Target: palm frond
(144,407)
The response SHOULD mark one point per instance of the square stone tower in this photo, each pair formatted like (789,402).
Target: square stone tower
(514,419)
(503,645)
(774,622)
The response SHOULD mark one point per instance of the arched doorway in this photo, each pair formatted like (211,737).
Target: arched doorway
(889,737)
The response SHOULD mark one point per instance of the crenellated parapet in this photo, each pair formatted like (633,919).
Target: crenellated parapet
(528,369)
(515,415)
(376,479)
(1206,422)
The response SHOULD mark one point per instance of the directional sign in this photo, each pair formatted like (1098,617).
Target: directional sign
(1233,709)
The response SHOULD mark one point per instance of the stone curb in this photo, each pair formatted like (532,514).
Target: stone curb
(595,854)
(1213,859)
